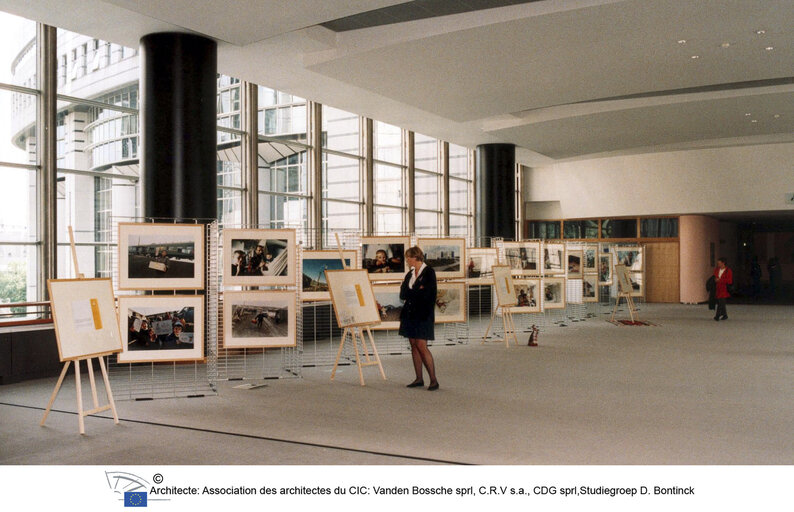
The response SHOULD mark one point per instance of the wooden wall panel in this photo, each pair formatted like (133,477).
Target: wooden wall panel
(662,272)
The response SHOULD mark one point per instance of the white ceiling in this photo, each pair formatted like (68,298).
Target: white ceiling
(560,79)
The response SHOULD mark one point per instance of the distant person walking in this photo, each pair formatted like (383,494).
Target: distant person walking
(723,276)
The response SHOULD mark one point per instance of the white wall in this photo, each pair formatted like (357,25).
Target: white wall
(747,178)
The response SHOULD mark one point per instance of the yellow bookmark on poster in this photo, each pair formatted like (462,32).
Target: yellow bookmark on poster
(96,315)
(360,295)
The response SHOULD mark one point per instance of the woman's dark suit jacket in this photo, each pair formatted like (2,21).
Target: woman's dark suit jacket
(419,311)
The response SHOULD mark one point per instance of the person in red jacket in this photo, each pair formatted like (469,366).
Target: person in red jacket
(723,277)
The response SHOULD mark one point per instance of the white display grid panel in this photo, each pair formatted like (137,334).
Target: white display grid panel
(145,381)
(241,364)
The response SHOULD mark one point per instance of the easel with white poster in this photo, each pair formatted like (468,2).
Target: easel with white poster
(356,329)
(506,299)
(624,291)
(86,327)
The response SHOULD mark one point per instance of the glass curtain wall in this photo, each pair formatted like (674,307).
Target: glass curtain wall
(19,239)
(98,168)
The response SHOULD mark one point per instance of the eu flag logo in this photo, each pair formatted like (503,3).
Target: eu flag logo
(135,499)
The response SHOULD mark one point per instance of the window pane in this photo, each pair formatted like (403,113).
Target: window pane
(277,211)
(619,228)
(17,205)
(339,217)
(387,142)
(18,130)
(544,229)
(284,115)
(282,168)
(18,273)
(580,229)
(341,177)
(18,61)
(229,207)
(459,162)
(426,153)
(388,220)
(427,186)
(459,196)
(459,225)
(659,228)
(388,185)
(341,131)
(427,223)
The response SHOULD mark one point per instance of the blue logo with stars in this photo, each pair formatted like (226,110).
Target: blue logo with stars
(135,499)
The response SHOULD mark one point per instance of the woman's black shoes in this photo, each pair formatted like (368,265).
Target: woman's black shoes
(432,387)
(416,384)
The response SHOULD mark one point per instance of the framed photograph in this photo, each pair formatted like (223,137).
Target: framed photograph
(589,254)
(624,281)
(480,261)
(383,257)
(387,300)
(161,256)
(353,298)
(553,293)
(84,314)
(450,303)
(590,288)
(258,257)
(605,269)
(575,263)
(444,255)
(162,328)
(259,319)
(527,296)
(523,257)
(629,256)
(637,281)
(503,285)
(315,263)
(553,258)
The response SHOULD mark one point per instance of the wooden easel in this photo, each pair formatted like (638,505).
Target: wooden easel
(629,303)
(80,412)
(623,293)
(357,332)
(507,315)
(111,405)
(507,323)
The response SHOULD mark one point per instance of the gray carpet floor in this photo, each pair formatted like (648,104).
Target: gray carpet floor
(686,391)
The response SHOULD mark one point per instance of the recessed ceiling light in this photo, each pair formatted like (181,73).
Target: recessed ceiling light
(753,120)
(777,116)
(769,48)
(725,45)
(695,57)
(682,41)
(748,114)
(760,32)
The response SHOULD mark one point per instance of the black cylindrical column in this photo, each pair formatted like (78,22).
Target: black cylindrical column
(178,126)
(495,183)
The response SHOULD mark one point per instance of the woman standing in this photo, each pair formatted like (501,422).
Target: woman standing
(418,314)
(723,276)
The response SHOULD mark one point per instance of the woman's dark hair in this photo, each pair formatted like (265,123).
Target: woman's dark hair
(415,252)
(723,259)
